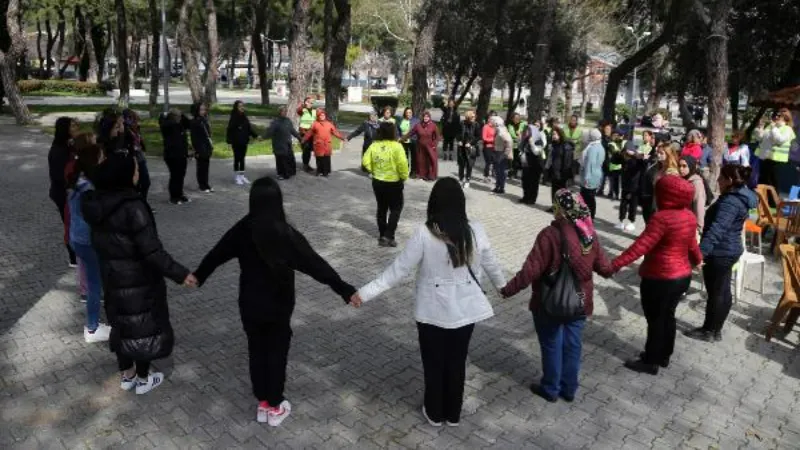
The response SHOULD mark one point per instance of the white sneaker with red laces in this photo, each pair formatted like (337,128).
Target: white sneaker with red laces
(277,414)
(262,412)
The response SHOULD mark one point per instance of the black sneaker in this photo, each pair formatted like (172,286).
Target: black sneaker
(717,336)
(537,390)
(392,243)
(637,365)
(663,364)
(185,199)
(701,334)
(383,242)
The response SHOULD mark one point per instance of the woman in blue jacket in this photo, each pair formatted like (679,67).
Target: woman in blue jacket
(722,247)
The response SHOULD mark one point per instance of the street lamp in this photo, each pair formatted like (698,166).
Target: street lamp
(635,69)
(164,56)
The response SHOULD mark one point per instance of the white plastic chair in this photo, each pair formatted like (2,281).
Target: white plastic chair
(748,259)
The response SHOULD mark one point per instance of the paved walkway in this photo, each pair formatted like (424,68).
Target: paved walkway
(355,376)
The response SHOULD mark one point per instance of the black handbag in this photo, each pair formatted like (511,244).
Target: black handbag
(561,293)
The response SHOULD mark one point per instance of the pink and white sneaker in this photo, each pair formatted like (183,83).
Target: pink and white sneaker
(262,412)
(276,415)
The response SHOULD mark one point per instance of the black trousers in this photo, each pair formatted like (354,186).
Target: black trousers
(589,197)
(613,184)
(61,204)
(444,359)
(324,165)
(555,186)
(285,165)
(629,203)
(142,367)
(411,154)
(448,145)
(268,349)
(177,173)
(239,152)
(389,196)
(516,163)
(648,207)
(488,161)
(308,148)
(660,298)
(144,178)
(531,177)
(203,166)
(465,163)
(717,274)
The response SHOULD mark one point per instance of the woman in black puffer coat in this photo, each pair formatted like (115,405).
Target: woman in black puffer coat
(133,265)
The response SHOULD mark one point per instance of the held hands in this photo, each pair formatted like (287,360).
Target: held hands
(190,281)
(355,300)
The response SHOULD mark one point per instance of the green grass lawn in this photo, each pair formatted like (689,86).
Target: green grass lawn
(60,94)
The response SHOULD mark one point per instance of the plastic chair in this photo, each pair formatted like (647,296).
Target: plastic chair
(748,259)
(787,223)
(788,304)
(753,232)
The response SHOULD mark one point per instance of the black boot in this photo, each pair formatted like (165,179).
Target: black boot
(701,334)
(637,365)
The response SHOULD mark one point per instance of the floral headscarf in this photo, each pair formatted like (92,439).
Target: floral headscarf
(574,209)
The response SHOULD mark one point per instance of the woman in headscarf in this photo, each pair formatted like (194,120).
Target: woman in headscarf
(428,136)
(571,233)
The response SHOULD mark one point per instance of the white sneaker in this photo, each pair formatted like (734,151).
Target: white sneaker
(238,180)
(432,423)
(262,412)
(245,180)
(277,414)
(630,228)
(466,185)
(620,226)
(143,386)
(101,334)
(452,424)
(127,383)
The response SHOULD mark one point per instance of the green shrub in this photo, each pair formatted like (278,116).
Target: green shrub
(382,101)
(62,86)
(622,109)
(404,100)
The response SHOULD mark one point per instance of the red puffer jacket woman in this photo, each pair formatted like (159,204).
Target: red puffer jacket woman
(668,244)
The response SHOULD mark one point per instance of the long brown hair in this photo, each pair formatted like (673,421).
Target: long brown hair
(671,160)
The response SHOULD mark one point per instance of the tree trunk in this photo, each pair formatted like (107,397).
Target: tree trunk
(686,115)
(584,94)
(51,42)
(213,53)
(260,14)
(735,89)
(188,46)
(337,37)
(538,78)
(155,55)
(298,50)
(555,95)
(39,47)
(100,45)
(122,55)
(485,95)
(568,99)
(716,64)
(88,49)
(467,87)
(423,54)
(617,74)
(8,61)
(512,101)
(62,31)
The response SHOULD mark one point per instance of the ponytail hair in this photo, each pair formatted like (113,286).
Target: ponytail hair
(738,175)
(86,160)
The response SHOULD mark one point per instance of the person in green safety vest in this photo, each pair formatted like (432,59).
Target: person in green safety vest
(516,128)
(307,115)
(615,164)
(573,134)
(776,141)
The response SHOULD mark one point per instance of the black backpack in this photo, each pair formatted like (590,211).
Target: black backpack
(561,294)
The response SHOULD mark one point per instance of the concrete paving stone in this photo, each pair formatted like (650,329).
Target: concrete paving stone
(354,376)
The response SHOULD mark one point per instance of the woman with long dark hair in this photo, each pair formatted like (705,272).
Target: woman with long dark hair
(61,153)
(450,254)
(111,133)
(238,137)
(269,250)
(560,158)
(200,132)
(174,128)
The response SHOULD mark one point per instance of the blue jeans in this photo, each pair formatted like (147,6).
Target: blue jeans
(91,264)
(560,344)
(500,170)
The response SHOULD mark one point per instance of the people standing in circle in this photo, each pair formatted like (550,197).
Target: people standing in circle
(503,154)
(449,254)
(559,162)
(468,147)
(269,251)
(451,128)
(133,265)
(174,129)
(203,145)
(689,170)
(404,126)
(238,136)
(427,135)
(533,157)
(386,161)
(321,134)
(516,129)
(369,129)
(80,237)
(487,135)
(592,170)
(572,233)
(722,246)
(738,151)
(669,246)
(135,144)
(60,154)
(387,115)
(306,116)
(281,130)
(776,141)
